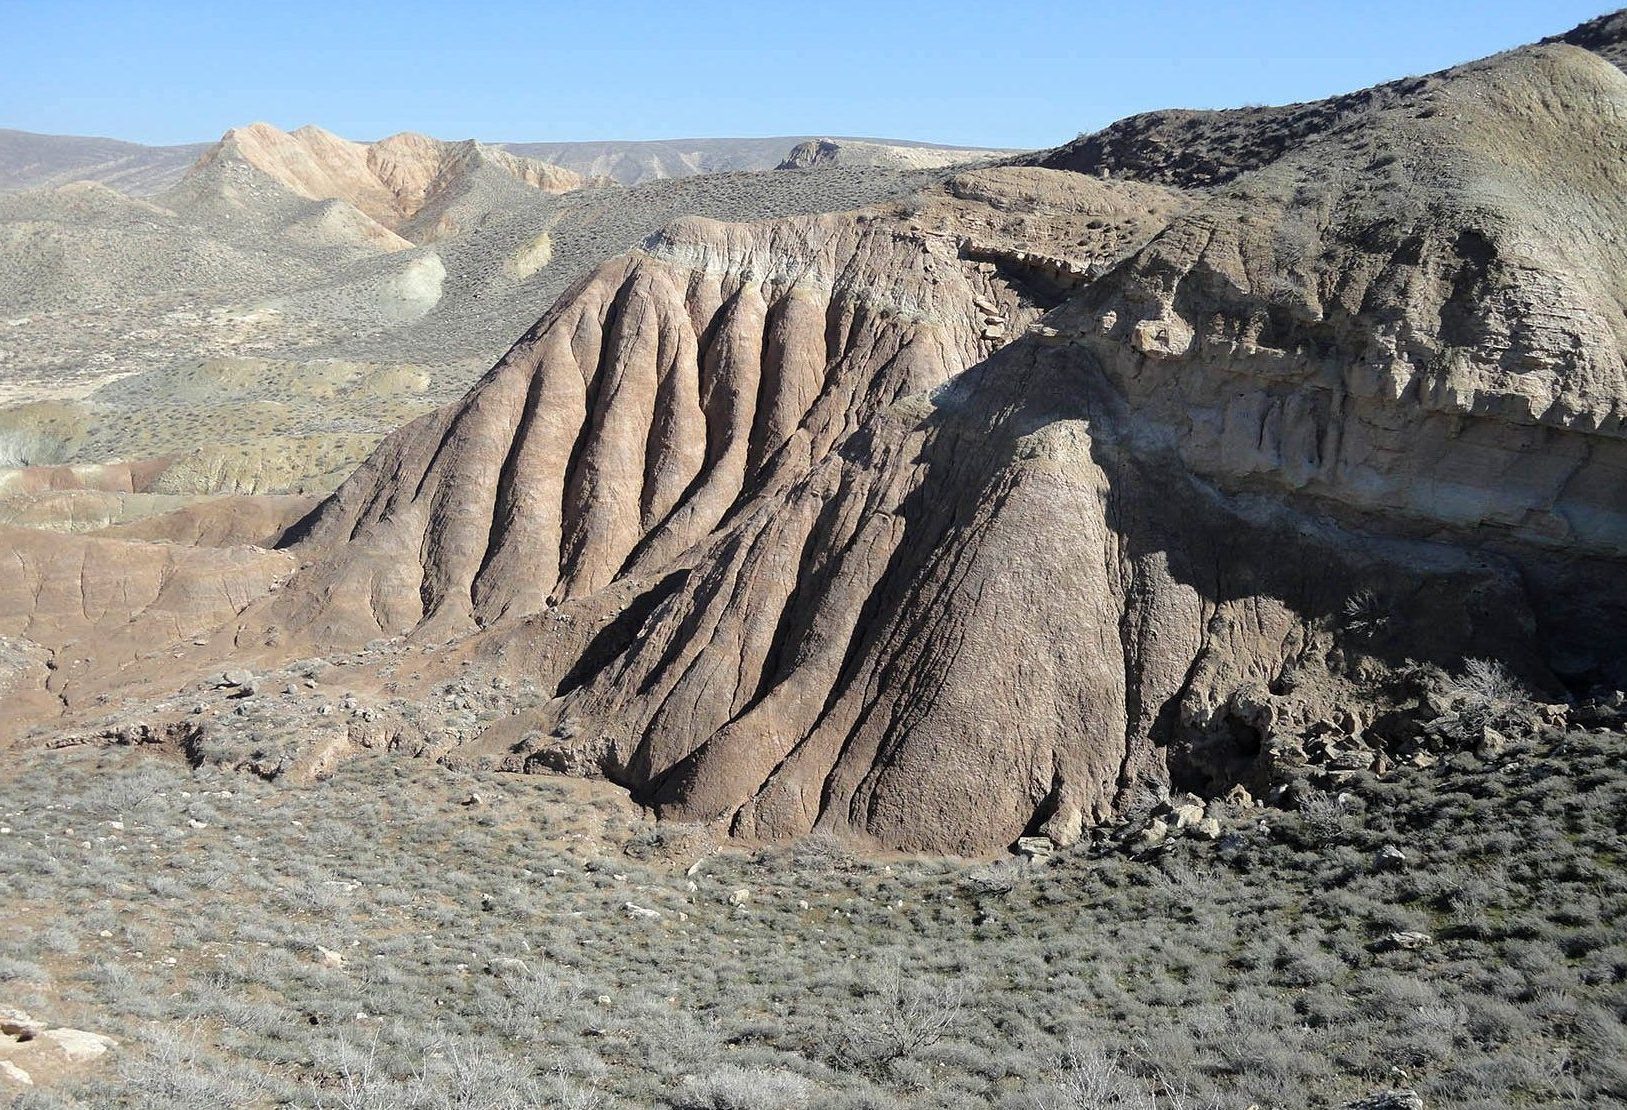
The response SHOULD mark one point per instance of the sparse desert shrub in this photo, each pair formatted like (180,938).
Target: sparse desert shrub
(904,1014)
(171,1070)
(1364,614)
(1323,816)
(532,998)
(1090,1078)
(453,1074)
(820,853)
(673,1041)
(671,841)
(733,1088)
(1485,695)
(122,795)
(991,879)
(27,447)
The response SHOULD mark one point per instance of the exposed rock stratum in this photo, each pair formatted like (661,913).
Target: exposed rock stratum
(394,181)
(940,523)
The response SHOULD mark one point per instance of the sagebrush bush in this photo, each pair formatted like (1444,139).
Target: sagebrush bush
(474,942)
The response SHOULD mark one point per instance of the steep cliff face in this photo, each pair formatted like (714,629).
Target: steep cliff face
(982,514)
(1418,322)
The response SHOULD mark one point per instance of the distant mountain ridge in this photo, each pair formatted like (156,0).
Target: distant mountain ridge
(406,182)
(30,160)
(820,153)
(33,161)
(633,163)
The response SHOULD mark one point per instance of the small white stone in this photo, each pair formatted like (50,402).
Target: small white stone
(78,1045)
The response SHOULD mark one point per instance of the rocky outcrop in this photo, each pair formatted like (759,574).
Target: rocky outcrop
(1605,36)
(1201,149)
(934,527)
(101,606)
(1417,322)
(258,520)
(991,513)
(652,400)
(816,153)
(119,477)
(33,1053)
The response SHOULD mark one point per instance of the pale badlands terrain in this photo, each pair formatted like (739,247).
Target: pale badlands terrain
(1135,624)
(264,320)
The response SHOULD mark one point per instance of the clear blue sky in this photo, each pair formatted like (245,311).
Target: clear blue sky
(978,72)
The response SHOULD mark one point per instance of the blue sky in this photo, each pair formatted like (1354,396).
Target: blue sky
(989,72)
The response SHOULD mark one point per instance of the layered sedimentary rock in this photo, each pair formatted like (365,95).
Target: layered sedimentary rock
(932,527)
(1416,321)
(392,181)
(96,606)
(655,396)
(991,512)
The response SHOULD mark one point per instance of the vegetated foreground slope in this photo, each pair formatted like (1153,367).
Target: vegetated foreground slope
(404,935)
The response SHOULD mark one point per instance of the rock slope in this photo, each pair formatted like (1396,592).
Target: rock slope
(97,605)
(997,510)
(935,528)
(646,405)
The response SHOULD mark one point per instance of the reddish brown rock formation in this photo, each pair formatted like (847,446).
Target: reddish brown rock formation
(99,606)
(882,593)
(985,514)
